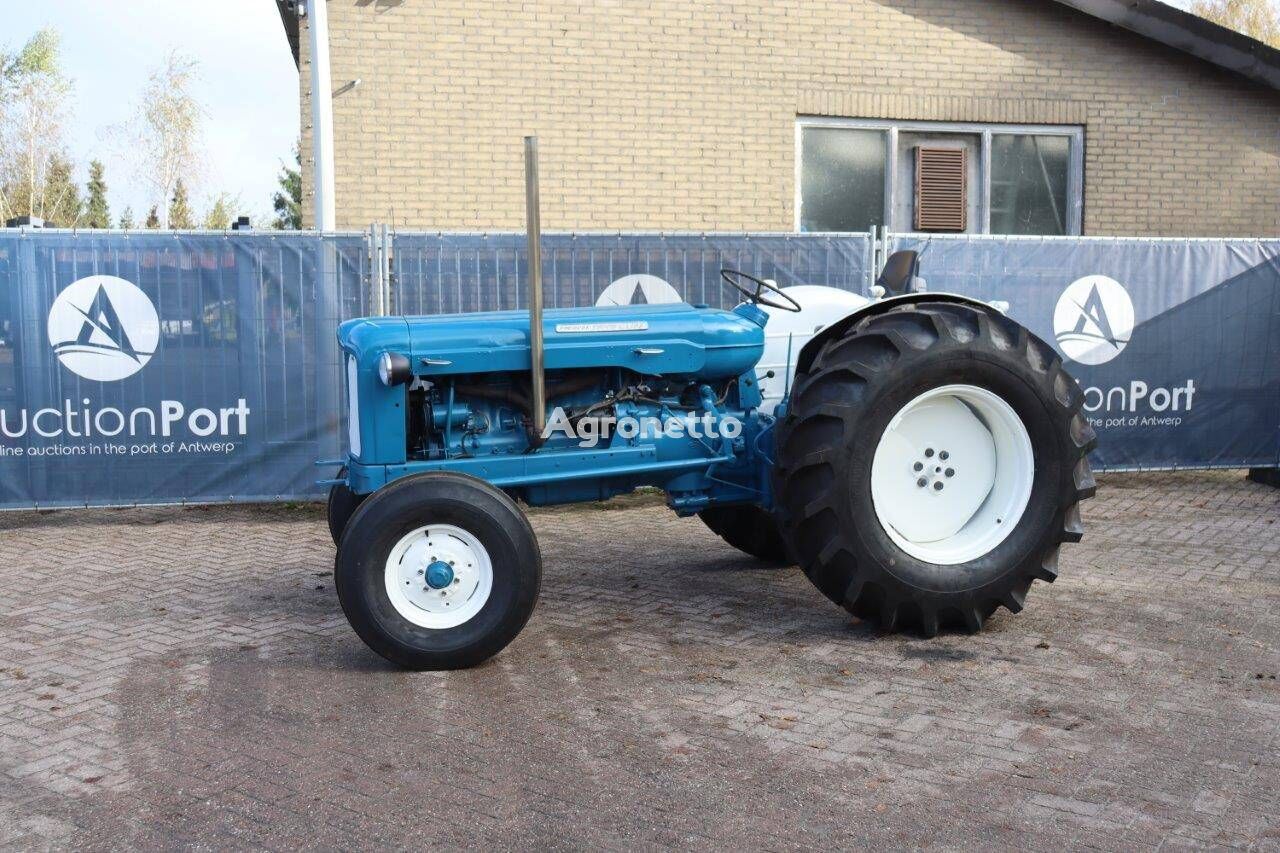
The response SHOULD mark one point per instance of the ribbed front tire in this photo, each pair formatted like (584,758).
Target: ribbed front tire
(842,406)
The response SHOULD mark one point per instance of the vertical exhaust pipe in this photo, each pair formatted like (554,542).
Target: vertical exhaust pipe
(533,224)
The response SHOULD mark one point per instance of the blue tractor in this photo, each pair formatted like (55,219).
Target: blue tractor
(921,456)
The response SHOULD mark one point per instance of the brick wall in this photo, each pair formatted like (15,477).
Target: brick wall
(672,114)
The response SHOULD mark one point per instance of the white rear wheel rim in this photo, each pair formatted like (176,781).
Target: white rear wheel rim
(446,597)
(952,474)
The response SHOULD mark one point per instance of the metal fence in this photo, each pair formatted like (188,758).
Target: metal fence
(151,367)
(451,273)
(221,319)
(154,367)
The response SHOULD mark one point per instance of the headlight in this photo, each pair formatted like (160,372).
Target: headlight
(393,369)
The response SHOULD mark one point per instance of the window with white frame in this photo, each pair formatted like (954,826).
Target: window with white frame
(852,174)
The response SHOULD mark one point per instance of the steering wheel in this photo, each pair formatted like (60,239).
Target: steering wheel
(756,295)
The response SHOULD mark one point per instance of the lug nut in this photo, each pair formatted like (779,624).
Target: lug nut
(944,456)
(951,472)
(937,487)
(929,452)
(919,466)
(922,482)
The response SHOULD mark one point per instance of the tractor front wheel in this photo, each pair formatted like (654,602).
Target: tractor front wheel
(931,462)
(438,571)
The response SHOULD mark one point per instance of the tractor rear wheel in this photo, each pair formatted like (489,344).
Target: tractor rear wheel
(438,571)
(748,528)
(930,464)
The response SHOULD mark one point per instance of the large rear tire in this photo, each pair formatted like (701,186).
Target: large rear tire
(882,522)
(438,571)
(748,528)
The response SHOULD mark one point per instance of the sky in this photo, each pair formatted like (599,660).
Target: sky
(247,85)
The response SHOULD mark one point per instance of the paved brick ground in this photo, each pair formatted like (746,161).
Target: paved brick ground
(173,676)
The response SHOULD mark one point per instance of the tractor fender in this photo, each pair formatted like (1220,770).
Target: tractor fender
(838,328)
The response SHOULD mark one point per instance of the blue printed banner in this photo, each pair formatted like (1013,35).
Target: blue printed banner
(154,367)
(1176,342)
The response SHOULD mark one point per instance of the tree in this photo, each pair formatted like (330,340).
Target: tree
(33,93)
(39,53)
(97,214)
(288,201)
(1257,18)
(180,215)
(219,216)
(153,218)
(164,135)
(62,204)
(126,219)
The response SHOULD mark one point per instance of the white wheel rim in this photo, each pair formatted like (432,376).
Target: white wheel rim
(415,591)
(952,474)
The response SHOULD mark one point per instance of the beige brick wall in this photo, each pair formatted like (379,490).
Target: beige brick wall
(675,114)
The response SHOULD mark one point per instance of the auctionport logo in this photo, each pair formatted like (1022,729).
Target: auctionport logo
(640,289)
(103,328)
(589,430)
(1093,320)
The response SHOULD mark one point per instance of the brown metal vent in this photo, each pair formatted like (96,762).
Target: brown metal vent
(942,189)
